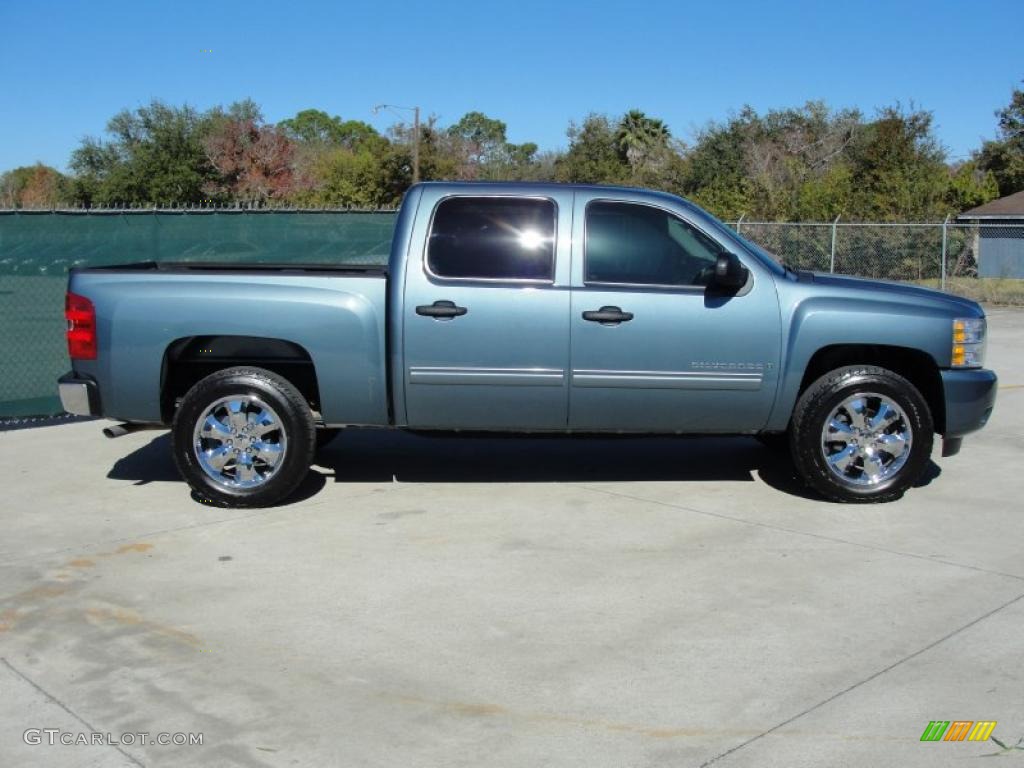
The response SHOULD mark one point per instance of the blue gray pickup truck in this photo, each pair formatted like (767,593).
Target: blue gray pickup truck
(529,308)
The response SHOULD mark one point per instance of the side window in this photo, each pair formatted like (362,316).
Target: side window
(640,244)
(493,238)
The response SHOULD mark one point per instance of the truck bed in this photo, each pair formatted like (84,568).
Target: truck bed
(363,270)
(335,314)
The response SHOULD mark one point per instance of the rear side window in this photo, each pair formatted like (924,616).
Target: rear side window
(643,245)
(493,238)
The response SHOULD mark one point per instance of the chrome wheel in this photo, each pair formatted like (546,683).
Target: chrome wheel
(867,439)
(239,441)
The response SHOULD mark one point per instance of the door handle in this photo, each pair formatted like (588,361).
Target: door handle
(441,310)
(608,316)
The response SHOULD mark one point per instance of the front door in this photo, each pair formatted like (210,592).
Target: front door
(652,350)
(486,314)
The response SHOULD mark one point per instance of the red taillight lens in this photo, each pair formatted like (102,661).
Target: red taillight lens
(81,317)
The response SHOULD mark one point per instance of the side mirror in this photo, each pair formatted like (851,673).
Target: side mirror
(729,272)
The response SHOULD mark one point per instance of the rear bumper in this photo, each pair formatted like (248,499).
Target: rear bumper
(79,395)
(970,396)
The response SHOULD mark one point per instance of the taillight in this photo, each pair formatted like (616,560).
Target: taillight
(81,317)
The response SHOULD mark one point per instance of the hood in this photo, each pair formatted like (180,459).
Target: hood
(914,294)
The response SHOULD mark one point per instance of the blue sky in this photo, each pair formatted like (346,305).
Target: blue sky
(68,66)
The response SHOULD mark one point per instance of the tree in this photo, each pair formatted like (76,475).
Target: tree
(352,178)
(93,163)
(1004,156)
(639,137)
(803,163)
(715,167)
(520,162)
(155,154)
(593,156)
(439,159)
(315,127)
(480,149)
(785,164)
(480,138)
(254,162)
(33,186)
(898,167)
(812,163)
(824,196)
(970,186)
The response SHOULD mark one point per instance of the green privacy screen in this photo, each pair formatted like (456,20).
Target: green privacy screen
(37,249)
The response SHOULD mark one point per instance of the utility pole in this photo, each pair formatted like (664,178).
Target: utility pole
(415,135)
(416,146)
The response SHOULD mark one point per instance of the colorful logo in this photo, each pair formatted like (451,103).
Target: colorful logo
(958,730)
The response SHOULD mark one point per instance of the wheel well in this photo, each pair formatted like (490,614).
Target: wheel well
(918,367)
(188,360)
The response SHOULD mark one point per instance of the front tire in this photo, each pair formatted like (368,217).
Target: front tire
(243,437)
(861,434)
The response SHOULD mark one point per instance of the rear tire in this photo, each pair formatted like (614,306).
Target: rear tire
(243,437)
(861,434)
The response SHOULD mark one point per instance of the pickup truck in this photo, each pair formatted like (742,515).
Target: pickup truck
(529,308)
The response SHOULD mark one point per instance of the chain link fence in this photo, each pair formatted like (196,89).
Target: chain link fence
(942,254)
(982,261)
(38,248)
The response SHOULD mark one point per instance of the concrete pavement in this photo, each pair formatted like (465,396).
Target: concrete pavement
(520,602)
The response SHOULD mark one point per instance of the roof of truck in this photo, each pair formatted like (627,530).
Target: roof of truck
(540,185)
(534,184)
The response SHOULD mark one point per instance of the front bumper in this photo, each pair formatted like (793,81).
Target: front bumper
(969,395)
(79,395)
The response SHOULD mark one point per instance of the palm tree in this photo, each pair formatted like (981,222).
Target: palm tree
(638,135)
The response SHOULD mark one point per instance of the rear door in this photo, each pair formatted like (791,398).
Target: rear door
(486,311)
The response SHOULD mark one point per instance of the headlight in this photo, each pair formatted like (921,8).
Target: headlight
(968,342)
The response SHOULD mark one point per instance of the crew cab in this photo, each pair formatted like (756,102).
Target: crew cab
(529,308)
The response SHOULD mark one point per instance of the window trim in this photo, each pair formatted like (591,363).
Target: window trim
(425,256)
(688,287)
